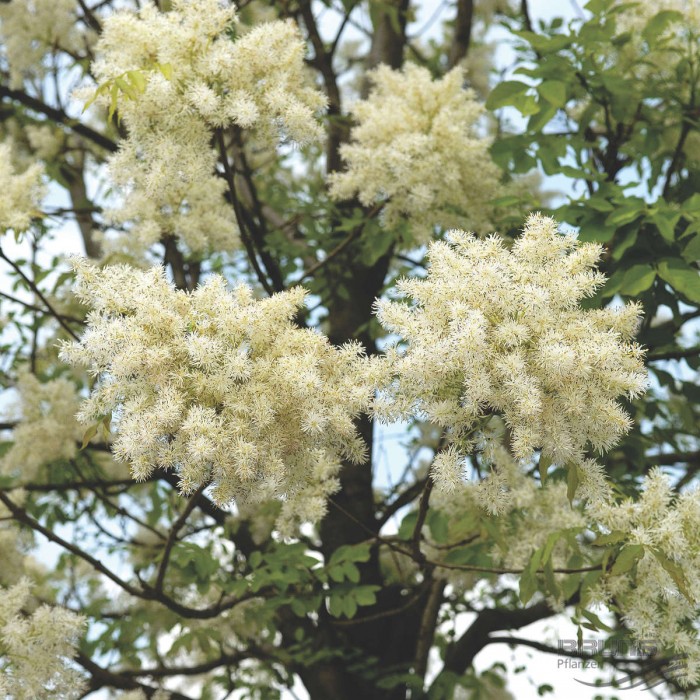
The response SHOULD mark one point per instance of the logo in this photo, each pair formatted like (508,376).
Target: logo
(637,663)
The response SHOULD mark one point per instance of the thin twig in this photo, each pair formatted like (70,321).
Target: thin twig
(60,117)
(454,567)
(172,536)
(36,291)
(673,354)
(247,242)
(343,244)
(420,521)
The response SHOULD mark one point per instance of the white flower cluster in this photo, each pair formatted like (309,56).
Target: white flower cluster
(47,430)
(31,28)
(195,71)
(415,146)
(220,387)
(499,331)
(20,192)
(653,606)
(35,648)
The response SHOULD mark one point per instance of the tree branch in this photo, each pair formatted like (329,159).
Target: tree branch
(460,655)
(673,354)
(426,632)
(172,536)
(247,242)
(60,318)
(60,117)
(461,39)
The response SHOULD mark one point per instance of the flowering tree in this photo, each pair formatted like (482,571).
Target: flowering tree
(288,212)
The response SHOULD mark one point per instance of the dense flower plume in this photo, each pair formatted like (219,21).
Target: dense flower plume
(30,28)
(220,387)
(499,331)
(660,603)
(415,146)
(20,192)
(47,430)
(35,648)
(180,75)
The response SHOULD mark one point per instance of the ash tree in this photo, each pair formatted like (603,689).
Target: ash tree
(300,221)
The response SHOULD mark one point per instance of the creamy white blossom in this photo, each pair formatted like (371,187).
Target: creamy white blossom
(47,430)
(36,644)
(21,192)
(654,605)
(220,387)
(416,147)
(31,28)
(493,331)
(189,72)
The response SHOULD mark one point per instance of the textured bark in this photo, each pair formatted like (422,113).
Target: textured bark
(389,36)
(391,639)
(461,38)
(83,215)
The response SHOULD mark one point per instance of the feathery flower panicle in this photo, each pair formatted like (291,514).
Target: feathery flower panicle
(653,604)
(415,147)
(20,192)
(221,388)
(35,648)
(47,430)
(499,331)
(194,70)
(31,28)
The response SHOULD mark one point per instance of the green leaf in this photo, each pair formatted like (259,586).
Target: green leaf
(548,548)
(615,537)
(535,560)
(166,69)
(637,279)
(631,211)
(666,221)
(572,481)
(337,573)
(126,88)
(691,252)
(502,95)
(627,558)
(113,97)
(526,104)
(629,238)
(528,585)
(658,23)
(675,572)
(137,80)
(101,90)
(541,118)
(554,91)
(438,524)
(692,205)
(366,595)
(543,466)
(89,434)
(350,553)
(460,555)
(595,620)
(407,526)
(682,277)
(550,581)
(335,606)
